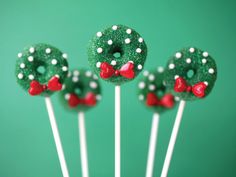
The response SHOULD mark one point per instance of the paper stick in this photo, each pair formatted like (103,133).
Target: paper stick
(117,131)
(173,139)
(152,145)
(83,145)
(56,137)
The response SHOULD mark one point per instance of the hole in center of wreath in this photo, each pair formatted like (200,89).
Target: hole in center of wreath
(77,91)
(160,93)
(190,73)
(117,55)
(41,69)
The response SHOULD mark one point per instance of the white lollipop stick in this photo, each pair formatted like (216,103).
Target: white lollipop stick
(152,145)
(83,145)
(173,139)
(56,137)
(117,131)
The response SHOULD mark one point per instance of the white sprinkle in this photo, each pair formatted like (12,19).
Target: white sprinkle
(206,83)
(75,79)
(67,96)
(171,66)
(95,77)
(30,58)
(176,76)
(140,97)
(151,77)
(110,42)
(69,73)
(127,40)
(20,76)
(138,50)
(93,85)
(191,50)
(56,75)
(99,50)
(64,55)
(140,40)
(31,50)
(64,68)
(205,54)
(113,62)
(76,73)
(130,61)
(151,87)
(145,73)
(114,27)
(204,60)
(63,87)
(98,64)
(31,77)
(99,34)
(88,73)
(141,85)
(22,65)
(128,31)
(188,60)
(54,61)
(140,67)
(48,50)
(211,71)
(98,97)
(160,69)
(177,98)
(178,55)
(164,83)
(19,55)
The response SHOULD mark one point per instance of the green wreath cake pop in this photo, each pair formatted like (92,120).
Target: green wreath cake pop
(191,74)
(153,93)
(81,90)
(117,54)
(41,69)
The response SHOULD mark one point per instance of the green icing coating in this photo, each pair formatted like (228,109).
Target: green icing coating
(40,62)
(152,82)
(80,82)
(185,61)
(117,45)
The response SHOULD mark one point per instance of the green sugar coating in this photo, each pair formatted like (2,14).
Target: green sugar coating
(117,45)
(152,82)
(194,65)
(80,82)
(40,62)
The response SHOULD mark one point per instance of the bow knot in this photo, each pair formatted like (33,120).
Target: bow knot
(198,89)
(36,88)
(89,100)
(108,71)
(166,101)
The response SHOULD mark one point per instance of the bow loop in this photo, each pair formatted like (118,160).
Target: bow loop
(166,101)
(89,100)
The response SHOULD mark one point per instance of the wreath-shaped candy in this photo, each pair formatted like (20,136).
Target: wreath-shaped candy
(117,54)
(81,90)
(191,74)
(153,93)
(41,69)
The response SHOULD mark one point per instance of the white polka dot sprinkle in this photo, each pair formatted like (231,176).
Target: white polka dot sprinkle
(176,76)
(138,50)
(64,68)
(140,67)
(191,50)
(145,73)
(204,60)
(205,54)
(151,77)
(128,31)
(75,79)
(48,50)
(93,85)
(114,27)
(141,85)
(98,64)
(99,34)
(113,62)
(211,71)
(20,76)
(140,97)
(140,40)
(19,55)
(64,55)
(31,50)
(76,73)
(67,96)
(127,40)
(160,69)
(31,77)
(54,61)
(22,65)
(98,97)
(110,42)
(171,66)
(178,55)
(99,50)
(188,60)
(88,73)
(151,87)
(206,83)
(30,58)
(130,61)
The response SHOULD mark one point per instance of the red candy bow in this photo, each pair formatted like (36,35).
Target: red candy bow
(108,71)
(198,89)
(166,101)
(36,88)
(89,100)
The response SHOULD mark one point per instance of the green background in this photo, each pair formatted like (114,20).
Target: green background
(206,144)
